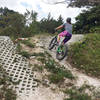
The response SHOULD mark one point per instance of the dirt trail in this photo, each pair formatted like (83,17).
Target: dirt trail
(81,78)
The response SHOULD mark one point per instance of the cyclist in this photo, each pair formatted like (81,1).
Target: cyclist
(67,33)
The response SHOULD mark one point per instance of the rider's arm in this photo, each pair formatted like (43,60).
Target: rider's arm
(59,27)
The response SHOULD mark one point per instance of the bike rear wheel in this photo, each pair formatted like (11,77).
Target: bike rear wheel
(53,42)
(61,52)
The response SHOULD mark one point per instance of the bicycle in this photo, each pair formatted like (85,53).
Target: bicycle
(62,49)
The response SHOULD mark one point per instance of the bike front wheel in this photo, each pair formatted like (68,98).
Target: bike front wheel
(52,43)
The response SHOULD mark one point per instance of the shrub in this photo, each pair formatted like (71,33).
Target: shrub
(86,55)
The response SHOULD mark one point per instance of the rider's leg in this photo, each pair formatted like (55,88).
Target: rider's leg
(62,34)
(58,38)
(67,38)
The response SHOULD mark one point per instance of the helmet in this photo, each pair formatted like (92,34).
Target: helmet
(68,20)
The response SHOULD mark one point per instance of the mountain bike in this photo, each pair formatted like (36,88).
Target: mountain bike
(62,49)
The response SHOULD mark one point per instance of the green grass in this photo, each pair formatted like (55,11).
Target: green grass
(6,86)
(38,68)
(78,93)
(38,54)
(47,54)
(28,43)
(86,55)
(41,59)
(25,54)
(57,72)
(10,95)
(56,78)
(18,49)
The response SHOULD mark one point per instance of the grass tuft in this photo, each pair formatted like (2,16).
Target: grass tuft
(38,54)
(28,43)
(25,54)
(78,93)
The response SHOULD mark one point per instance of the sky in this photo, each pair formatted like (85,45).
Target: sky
(41,8)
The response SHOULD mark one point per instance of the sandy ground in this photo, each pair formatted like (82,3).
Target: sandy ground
(46,93)
(43,93)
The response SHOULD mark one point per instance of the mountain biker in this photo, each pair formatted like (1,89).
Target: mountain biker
(67,33)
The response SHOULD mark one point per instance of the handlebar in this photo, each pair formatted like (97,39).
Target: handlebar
(54,31)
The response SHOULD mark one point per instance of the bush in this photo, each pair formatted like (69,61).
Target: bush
(86,55)
(95,30)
